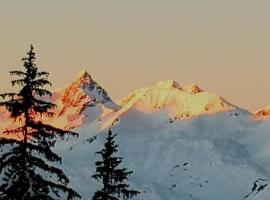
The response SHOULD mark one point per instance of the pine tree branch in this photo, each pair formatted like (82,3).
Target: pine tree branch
(44,139)
(6,141)
(9,95)
(41,92)
(40,74)
(17,73)
(10,156)
(41,196)
(44,104)
(14,106)
(55,187)
(20,82)
(37,162)
(9,161)
(39,83)
(52,130)
(16,131)
(47,152)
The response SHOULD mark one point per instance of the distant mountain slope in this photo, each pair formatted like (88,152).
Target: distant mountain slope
(220,156)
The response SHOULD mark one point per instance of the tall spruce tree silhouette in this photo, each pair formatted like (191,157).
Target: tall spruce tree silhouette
(26,174)
(113,178)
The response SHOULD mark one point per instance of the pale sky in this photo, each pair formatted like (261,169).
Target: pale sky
(222,45)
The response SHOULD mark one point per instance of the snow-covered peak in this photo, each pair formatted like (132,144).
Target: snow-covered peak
(82,80)
(172,84)
(83,77)
(81,101)
(83,73)
(84,88)
(177,100)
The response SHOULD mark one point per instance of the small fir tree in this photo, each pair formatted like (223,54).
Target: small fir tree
(113,178)
(24,166)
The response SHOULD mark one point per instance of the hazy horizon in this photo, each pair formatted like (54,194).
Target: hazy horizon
(223,46)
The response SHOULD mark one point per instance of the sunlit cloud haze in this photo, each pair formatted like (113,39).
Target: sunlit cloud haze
(223,46)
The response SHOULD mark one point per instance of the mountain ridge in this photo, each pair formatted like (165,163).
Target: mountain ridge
(84,100)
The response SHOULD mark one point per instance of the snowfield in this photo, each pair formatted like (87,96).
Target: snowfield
(210,157)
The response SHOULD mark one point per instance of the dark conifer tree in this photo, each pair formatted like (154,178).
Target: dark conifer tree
(27,174)
(113,178)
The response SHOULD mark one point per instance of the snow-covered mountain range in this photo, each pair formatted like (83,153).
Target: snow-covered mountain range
(181,141)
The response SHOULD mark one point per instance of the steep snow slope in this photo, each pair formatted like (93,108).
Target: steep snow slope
(223,156)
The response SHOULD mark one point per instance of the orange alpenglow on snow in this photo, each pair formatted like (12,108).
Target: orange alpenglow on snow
(180,101)
(85,101)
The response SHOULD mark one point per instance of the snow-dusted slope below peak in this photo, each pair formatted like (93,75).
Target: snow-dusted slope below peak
(204,158)
(179,102)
